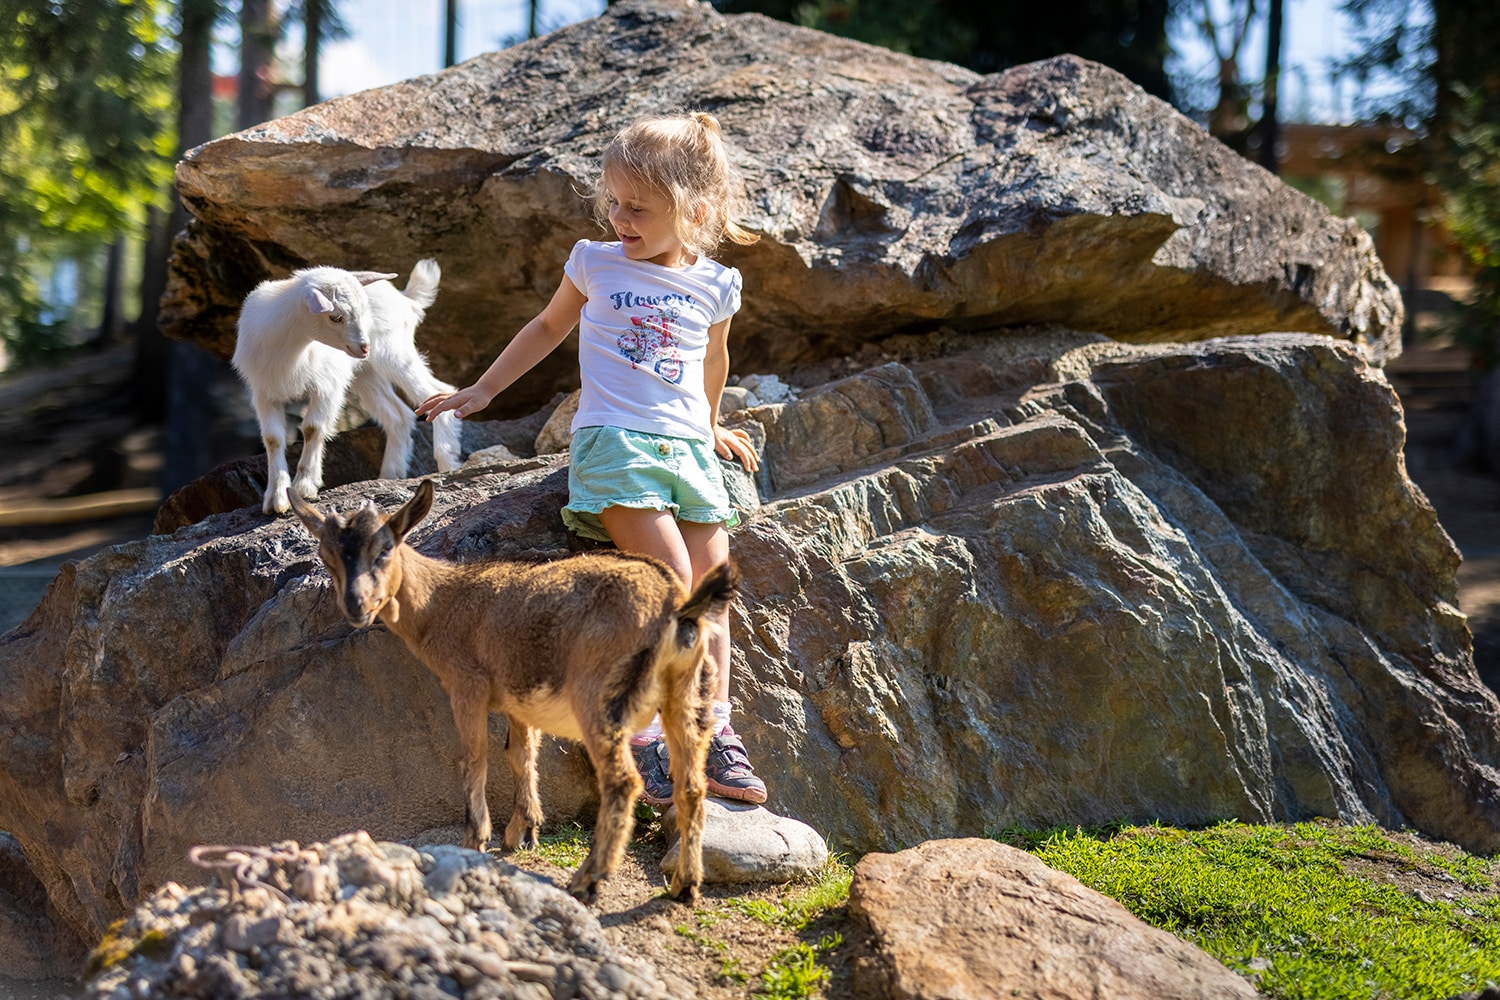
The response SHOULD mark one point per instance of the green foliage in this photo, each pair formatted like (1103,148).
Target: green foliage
(824,890)
(1472,180)
(1129,35)
(564,846)
(1289,905)
(86,143)
(795,972)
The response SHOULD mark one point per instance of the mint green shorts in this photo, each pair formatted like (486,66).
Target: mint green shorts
(614,467)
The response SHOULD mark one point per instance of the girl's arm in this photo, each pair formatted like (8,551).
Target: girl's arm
(535,341)
(728,443)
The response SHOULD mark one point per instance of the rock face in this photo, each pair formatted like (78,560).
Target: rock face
(892,194)
(357,918)
(973,920)
(1027,580)
(33,945)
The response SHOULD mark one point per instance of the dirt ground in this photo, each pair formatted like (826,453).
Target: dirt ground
(718,949)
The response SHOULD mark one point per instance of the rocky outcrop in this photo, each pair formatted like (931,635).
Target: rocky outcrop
(358,918)
(1019,580)
(994,573)
(892,194)
(973,920)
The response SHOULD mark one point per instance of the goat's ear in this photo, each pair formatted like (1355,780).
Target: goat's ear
(317,303)
(412,512)
(370,277)
(309,515)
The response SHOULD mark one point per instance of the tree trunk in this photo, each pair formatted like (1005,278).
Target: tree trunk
(1270,125)
(168,375)
(109,321)
(450,33)
(194,127)
(257,92)
(312,40)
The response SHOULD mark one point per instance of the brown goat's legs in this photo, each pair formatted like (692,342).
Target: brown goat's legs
(525,826)
(686,724)
(471,714)
(619,787)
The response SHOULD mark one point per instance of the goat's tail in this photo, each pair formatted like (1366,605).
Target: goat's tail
(714,590)
(422,286)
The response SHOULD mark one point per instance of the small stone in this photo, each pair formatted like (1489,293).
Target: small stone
(242,932)
(749,843)
(437,911)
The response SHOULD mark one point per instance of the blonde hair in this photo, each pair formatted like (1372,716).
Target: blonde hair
(682,157)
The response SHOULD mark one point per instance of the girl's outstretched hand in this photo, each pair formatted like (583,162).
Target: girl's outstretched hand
(463,403)
(735,443)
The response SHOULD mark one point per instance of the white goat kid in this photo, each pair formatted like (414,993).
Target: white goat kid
(322,333)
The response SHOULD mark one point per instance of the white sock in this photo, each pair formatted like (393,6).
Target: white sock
(720,723)
(651,732)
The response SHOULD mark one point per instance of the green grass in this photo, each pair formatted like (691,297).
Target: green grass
(825,889)
(1309,910)
(1298,906)
(565,846)
(796,972)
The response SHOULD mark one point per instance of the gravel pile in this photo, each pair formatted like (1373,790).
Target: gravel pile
(357,918)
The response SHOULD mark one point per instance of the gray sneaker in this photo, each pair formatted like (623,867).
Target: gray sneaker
(653,763)
(730,775)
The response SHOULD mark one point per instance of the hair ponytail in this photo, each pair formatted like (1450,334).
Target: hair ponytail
(684,157)
(708,121)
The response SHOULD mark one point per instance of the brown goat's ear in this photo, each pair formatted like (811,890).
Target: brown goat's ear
(307,514)
(412,512)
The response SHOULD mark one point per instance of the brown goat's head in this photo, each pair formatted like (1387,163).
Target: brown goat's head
(360,552)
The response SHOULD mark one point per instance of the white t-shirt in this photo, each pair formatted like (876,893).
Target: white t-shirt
(642,338)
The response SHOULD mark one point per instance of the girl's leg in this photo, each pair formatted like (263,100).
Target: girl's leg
(729,772)
(652,533)
(707,546)
(691,549)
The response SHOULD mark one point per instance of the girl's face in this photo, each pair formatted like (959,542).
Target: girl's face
(644,220)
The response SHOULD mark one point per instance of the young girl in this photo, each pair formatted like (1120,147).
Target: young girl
(653,352)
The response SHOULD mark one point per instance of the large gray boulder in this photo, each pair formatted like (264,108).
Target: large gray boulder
(1018,580)
(891,193)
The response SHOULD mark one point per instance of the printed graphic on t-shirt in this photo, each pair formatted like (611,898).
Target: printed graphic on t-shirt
(651,342)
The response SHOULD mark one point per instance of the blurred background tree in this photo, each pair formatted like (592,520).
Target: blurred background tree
(1129,35)
(86,142)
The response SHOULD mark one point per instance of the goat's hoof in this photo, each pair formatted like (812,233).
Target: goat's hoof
(686,894)
(528,841)
(588,895)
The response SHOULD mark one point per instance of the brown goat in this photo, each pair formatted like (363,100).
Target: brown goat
(586,647)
